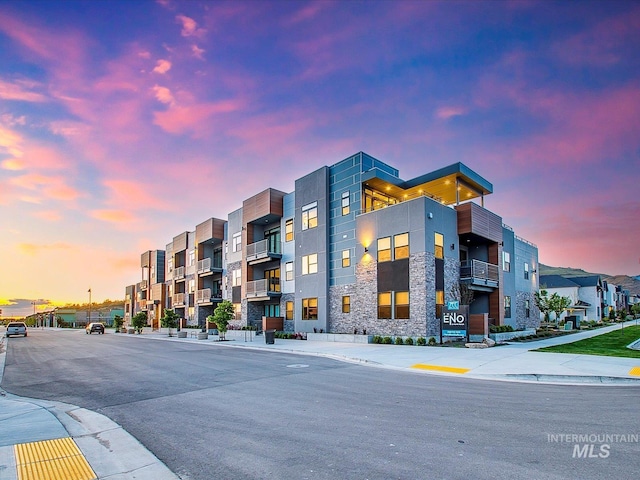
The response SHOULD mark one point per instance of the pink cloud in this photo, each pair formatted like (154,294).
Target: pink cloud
(162,66)
(20,90)
(189,27)
(163,94)
(113,216)
(194,118)
(10,142)
(49,186)
(197,52)
(133,195)
(445,113)
(32,249)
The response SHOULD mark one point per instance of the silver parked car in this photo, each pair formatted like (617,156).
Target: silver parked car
(16,328)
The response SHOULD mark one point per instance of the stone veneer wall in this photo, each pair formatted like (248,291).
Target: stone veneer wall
(533,321)
(364,300)
(289,325)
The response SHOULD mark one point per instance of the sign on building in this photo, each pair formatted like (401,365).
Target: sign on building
(455,320)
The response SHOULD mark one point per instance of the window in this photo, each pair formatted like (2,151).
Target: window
(401,305)
(507,307)
(288,230)
(439,302)
(236,278)
(384,249)
(438,246)
(527,309)
(170,264)
(310,264)
(346,304)
(345,203)
(236,242)
(288,271)
(310,216)
(273,280)
(346,258)
(289,310)
(506,261)
(384,305)
(271,310)
(309,308)
(526,271)
(237,311)
(401,246)
(192,286)
(192,257)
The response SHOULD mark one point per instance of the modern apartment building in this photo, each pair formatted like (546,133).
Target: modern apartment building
(354,248)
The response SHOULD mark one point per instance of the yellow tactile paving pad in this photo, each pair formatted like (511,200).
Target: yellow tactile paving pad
(440,368)
(59,459)
(635,371)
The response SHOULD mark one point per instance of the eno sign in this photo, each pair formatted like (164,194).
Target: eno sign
(454,321)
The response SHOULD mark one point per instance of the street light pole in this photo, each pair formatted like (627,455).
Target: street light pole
(89,319)
(35,320)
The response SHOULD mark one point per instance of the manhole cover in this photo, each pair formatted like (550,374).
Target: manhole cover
(297,365)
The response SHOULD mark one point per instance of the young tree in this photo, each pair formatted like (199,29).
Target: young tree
(139,321)
(635,309)
(117,322)
(169,320)
(558,304)
(541,300)
(222,315)
(462,293)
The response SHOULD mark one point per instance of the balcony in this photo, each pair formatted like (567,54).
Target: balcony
(263,251)
(209,265)
(178,273)
(207,296)
(178,299)
(143,285)
(263,289)
(479,274)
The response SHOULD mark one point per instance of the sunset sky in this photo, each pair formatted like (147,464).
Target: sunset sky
(125,123)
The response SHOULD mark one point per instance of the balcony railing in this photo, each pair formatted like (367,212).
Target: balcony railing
(480,273)
(208,295)
(208,265)
(264,249)
(178,299)
(262,288)
(143,284)
(178,273)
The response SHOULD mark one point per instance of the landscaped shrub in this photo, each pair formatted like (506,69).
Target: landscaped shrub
(431,342)
(386,340)
(408,341)
(399,341)
(376,339)
(421,341)
(500,328)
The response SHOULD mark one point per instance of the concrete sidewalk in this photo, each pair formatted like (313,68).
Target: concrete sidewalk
(42,439)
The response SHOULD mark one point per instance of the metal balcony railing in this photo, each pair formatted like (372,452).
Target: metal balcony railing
(263,249)
(480,273)
(207,295)
(178,299)
(207,265)
(263,287)
(178,273)
(144,284)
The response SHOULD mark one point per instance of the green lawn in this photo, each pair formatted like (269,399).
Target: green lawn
(611,344)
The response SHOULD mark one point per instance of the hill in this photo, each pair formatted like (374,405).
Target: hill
(627,283)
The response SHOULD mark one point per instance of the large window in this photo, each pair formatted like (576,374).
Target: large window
(236,278)
(506,261)
(192,286)
(237,311)
(401,246)
(289,310)
(345,203)
(438,245)
(439,302)
(288,271)
(507,307)
(401,305)
(236,242)
(384,249)
(346,258)
(288,230)
(192,257)
(526,271)
(384,305)
(310,264)
(527,309)
(346,304)
(310,216)
(309,309)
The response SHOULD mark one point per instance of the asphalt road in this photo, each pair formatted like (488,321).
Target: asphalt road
(211,412)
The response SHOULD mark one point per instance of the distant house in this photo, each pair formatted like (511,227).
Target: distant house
(586,294)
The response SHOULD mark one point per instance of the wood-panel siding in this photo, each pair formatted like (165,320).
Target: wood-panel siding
(180,242)
(264,203)
(210,229)
(474,219)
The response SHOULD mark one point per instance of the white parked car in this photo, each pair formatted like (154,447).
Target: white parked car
(16,328)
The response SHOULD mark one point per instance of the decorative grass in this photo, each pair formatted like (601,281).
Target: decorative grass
(612,344)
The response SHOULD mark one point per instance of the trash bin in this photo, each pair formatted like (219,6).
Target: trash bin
(270,337)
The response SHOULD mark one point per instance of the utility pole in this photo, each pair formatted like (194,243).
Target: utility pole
(89,319)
